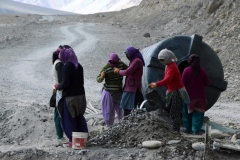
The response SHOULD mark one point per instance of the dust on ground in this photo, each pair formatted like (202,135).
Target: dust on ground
(26,43)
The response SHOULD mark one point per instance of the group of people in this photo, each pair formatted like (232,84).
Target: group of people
(70,93)
(185,93)
(115,96)
(185,96)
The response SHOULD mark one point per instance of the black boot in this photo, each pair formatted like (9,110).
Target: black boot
(126,112)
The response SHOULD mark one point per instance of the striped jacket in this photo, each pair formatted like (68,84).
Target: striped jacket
(113,81)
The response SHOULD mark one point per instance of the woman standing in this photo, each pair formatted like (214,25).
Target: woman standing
(176,92)
(57,78)
(112,89)
(72,106)
(195,79)
(132,90)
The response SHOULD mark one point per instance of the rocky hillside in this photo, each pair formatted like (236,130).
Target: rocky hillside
(26,122)
(216,20)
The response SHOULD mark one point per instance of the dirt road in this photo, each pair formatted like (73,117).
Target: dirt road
(26,121)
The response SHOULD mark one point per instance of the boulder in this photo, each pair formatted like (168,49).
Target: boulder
(198,146)
(146,35)
(152,144)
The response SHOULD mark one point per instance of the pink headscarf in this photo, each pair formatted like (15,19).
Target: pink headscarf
(113,57)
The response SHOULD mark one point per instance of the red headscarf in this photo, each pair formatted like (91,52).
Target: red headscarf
(194,63)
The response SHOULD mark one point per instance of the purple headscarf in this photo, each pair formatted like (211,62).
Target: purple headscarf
(113,57)
(133,53)
(68,55)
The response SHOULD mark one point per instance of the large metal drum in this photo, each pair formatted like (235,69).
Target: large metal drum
(183,47)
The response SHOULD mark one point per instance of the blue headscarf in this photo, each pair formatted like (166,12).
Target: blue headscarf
(133,53)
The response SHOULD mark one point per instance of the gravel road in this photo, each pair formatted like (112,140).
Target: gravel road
(26,45)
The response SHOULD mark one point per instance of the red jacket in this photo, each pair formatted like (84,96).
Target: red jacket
(172,78)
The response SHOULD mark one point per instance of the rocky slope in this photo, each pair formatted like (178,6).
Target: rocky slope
(26,43)
(216,20)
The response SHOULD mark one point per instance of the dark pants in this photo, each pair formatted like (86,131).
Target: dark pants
(138,99)
(175,110)
(69,124)
(58,126)
(126,112)
(137,102)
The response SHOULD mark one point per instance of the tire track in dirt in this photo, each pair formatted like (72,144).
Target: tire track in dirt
(31,75)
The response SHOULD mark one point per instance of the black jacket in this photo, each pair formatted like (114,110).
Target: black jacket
(72,80)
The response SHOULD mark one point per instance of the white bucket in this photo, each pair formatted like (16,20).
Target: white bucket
(79,140)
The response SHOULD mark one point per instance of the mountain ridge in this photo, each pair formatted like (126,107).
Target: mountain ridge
(83,6)
(13,7)
(217,21)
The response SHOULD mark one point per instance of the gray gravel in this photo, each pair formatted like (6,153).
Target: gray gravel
(26,44)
